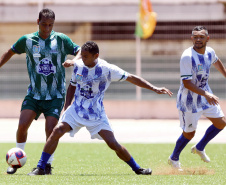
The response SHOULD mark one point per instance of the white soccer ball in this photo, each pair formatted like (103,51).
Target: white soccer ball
(16,158)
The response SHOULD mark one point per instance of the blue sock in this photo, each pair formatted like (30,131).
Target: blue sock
(211,132)
(43,160)
(180,144)
(132,163)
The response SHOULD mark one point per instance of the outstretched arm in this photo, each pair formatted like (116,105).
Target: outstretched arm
(220,67)
(136,80)
(70,95)
(5,57)
(69,63)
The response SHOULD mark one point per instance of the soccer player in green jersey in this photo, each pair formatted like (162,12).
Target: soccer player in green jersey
(46,52)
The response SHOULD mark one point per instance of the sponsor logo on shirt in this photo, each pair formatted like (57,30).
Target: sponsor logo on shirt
(200,69)
(46,67)
(36,51)
(79,77)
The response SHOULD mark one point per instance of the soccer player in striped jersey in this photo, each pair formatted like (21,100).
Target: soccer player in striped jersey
(90,79)
(46,51)
(195,97)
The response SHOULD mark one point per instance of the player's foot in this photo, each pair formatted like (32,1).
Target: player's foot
(175,164)
(11,170)
(202,154)
(142,171)
(37,171)
(48,169)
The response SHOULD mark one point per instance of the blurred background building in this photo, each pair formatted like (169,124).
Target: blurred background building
(111,23)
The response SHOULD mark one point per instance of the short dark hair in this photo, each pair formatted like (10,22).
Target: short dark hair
(199,28)
(91,47)
(47,13)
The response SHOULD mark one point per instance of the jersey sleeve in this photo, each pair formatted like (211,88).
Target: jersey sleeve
(186,68)
(70,47)
(118,74)
(19,46)
(73,76)
(214,57)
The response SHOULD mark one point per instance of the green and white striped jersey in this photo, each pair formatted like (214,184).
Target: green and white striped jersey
(44,63)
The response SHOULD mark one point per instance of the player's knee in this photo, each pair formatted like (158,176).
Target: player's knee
(189,135)
(58,131)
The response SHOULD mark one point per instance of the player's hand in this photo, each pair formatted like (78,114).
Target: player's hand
(163,90)
(68,63)
(211,98)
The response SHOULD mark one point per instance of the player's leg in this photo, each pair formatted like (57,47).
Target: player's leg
(25,120)
(122,152)
(51,110)
(188,122)
(216,116)
(211,132)
(50,147)
(50,123)
(29,112)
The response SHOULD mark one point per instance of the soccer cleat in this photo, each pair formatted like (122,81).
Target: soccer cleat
(202,154)
(142,171)
(175,164)
(37,171)
(48,169)
(11,170)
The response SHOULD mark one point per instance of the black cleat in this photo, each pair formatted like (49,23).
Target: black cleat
(142,171)
(37,171)
(11,170)
(48,169)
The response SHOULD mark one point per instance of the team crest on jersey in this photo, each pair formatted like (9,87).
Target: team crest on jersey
(200,69)
(87,92)
(36,51)
(79,77)
(46,67)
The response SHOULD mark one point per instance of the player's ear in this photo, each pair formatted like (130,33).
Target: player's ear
(208,38)
(96,55)
(38,21)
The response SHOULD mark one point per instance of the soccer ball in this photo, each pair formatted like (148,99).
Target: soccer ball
(16,158)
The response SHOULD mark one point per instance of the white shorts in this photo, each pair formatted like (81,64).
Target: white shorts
(189,121)
(76,123)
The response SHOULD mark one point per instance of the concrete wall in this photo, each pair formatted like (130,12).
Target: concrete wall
(116,109)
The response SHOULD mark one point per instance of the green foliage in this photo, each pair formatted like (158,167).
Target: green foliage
(92,163)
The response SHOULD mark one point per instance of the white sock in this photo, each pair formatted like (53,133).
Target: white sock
(50,159)
(20,145)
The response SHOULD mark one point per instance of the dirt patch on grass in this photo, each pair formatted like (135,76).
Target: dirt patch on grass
(186,171)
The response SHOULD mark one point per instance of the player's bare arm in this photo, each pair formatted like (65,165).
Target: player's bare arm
(145,84)
(220,67)
(211,98)
(69,63)
(6,56)
(69,96)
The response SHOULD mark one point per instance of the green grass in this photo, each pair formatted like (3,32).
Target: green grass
(78,163)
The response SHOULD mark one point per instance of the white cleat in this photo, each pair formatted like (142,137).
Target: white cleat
(202,154)
(175,164)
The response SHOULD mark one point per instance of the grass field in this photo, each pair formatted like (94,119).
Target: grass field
(95,163)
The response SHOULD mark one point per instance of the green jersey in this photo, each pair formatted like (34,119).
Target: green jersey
(44,63)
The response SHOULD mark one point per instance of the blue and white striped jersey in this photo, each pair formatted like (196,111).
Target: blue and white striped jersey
(91,84)
(195,67)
